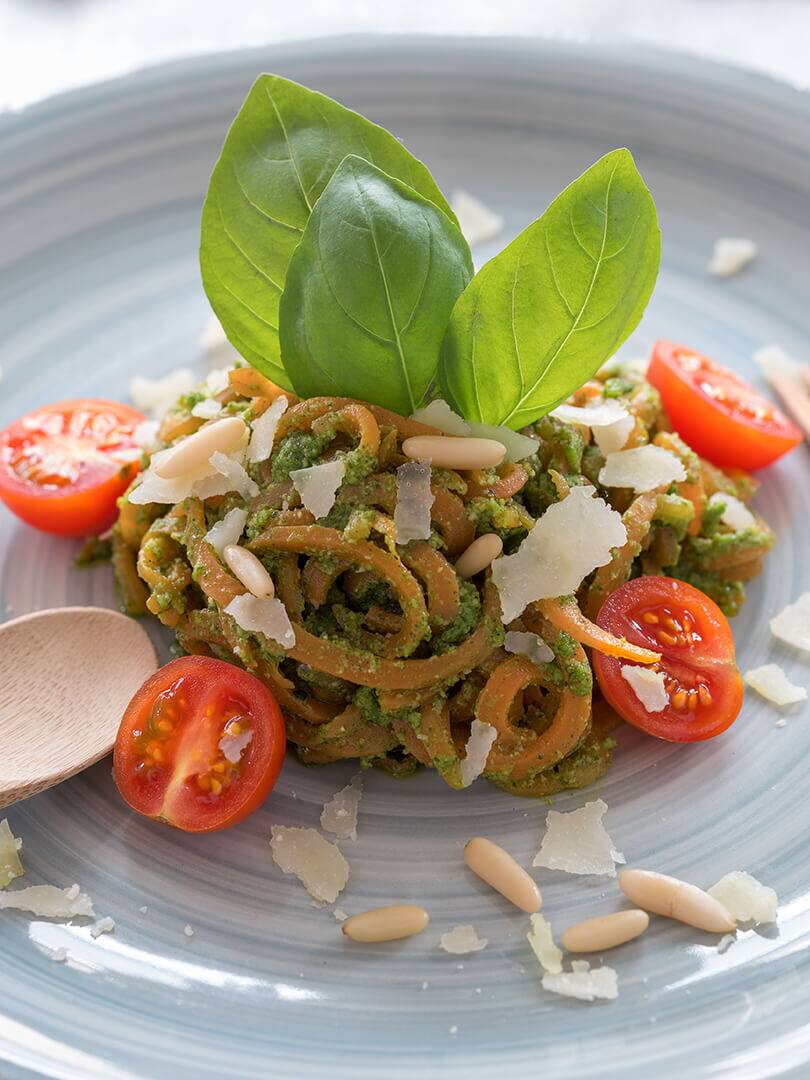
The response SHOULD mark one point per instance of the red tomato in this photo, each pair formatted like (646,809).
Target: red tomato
(697,657)
(170,761)
(62,467)
(716,412)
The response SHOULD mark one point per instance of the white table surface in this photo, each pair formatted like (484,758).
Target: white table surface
(52,45)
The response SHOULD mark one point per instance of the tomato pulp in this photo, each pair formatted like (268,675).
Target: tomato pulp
(62,467)
(701,678)
(200,745)
(716,412)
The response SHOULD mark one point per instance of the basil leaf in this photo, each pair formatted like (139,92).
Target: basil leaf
(542,316)
(370,289)
(279,155)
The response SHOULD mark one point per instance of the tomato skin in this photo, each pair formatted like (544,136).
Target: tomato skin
(194,696)
(62,467)
(716,412)
(704,656)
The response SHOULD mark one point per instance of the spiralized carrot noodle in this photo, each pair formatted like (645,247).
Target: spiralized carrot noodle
(395,655)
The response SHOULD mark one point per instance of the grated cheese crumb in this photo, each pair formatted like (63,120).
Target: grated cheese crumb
(48,902)
(644,468)
(227,531)
(263,431)
(731,254)
(10,865)
(792,624)
(477,222)
(528,644)
(476,752)
(339,814)
(316,862)
(648,686)
(103,926)
(462,940)
(188,930)
(772,683)
(318,485)
(414,500)
(340,914)
(60,954)
(262,615)
(543,945)
(578,843)
(143,909)
(584,983)
(747,899)
(736,514)
(156,396)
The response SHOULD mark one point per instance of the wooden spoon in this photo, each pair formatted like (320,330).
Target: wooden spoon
(66,677)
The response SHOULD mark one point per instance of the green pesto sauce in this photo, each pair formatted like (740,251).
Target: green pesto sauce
(464,623)
(299,450)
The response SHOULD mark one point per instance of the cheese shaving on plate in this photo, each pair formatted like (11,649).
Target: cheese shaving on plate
(10,865)
(773,684)
(260,615)
(263,431)
(318,485)
(570,540)
(476,752)
(227,531)
(792,624)
(736,514)
(103,926)
(747,899)
(644,468)
(528,644)
(648,686)
(548,954)
(461,940)
(578,843)
(156,396)
(732,254)
(477,222)
(438,414)
(584,983)
(48,902)
(339,814)
(414,500)
(317,863)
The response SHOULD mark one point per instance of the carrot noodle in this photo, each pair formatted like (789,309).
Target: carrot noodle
(395,656)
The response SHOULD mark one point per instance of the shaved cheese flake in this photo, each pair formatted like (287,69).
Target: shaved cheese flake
(648,686)
(644,468)
(570,540)
(263,430)
(731,254)
(317,863)
(477,222)
(526,644)
(438,414)
(318,485)
(260,615)
(598,415)
(584,983)
(10,865)
(414,500)
(155,396)
(772,683)
(233,478)
(736,514)
(48,902)
(610,438)
(461,940)
(103,926)
(233,746)
(578,843)
(476,752)
(156,489)
(543,945)
(145,434)
(747,899)
(207,409)
(228,531)
(792,624)
(339,814)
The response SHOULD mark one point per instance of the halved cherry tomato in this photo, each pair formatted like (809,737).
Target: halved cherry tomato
(697,657)
(63,466)
(716,412)
(200,745)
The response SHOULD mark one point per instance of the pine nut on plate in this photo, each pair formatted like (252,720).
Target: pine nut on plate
(479,555)
(455,451)
(676,899)
(606,931)
(250,571)
(386,923)
(497,868)
(192,452)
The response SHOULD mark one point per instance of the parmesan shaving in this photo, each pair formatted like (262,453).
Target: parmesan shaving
(156,396)
(207,409)
(578,843)
(103,926)
(48,902)
(145,434)
(318,485)
(232,477)
(735,513)
(600,415)
(747,899)
(233,746)
(339,814)
(227,531)
(584,983)
(648,686)
(476,752)
(10,865)
(543,945)
(317,863)
(477,222)
(260,615)
(263,431)
(792,624)
(610,438)
(438,414)
(773,684)
(461,940)
(731,254)
(645,468)
(527,644)
(156,489)
(414,500)
(570,540)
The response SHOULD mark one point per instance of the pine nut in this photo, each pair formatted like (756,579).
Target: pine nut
(676,899)
(195,450)
(497,868)
(454,452)
(386,923)
(250,571)
(479,555)
(605,932)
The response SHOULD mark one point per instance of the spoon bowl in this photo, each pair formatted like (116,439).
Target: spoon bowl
(66,676)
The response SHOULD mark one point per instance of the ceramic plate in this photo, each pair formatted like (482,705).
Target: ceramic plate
(100,194)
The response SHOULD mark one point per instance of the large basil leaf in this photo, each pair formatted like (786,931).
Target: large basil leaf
(370,289)
(542,316)
(279,155)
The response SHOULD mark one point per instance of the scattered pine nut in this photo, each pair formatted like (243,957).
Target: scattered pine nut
(479,555)
(250,571)
(605,932)
(386,923)
(676,899)
(497,868)
(454,451)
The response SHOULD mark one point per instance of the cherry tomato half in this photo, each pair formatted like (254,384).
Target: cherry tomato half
(716,412)
(62,467)
(697,657)
(200,745)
